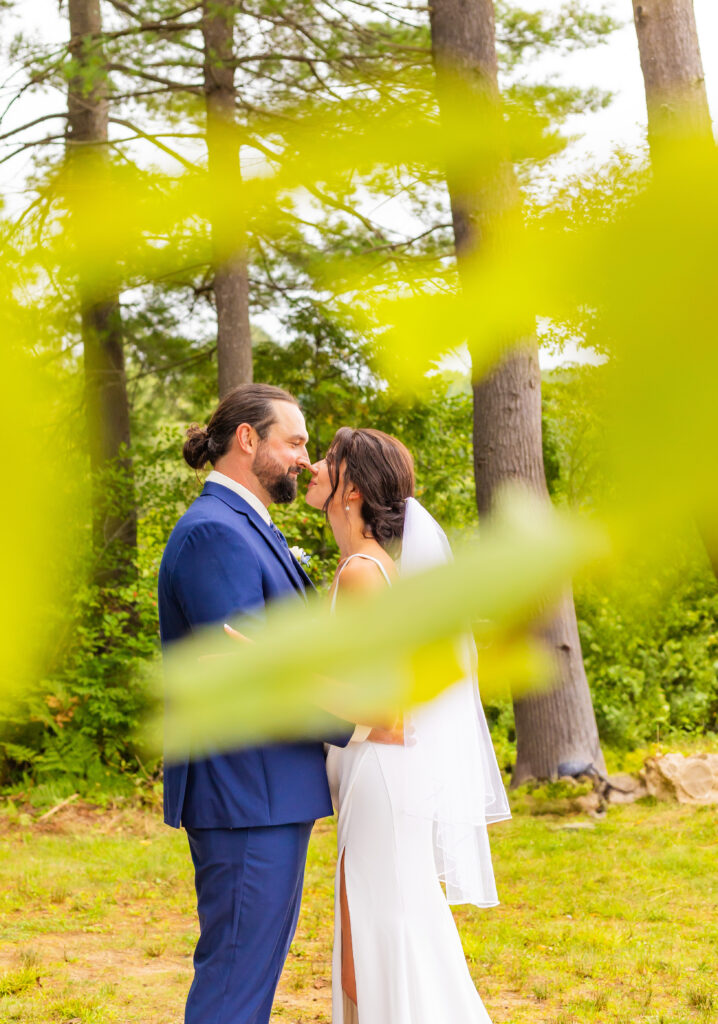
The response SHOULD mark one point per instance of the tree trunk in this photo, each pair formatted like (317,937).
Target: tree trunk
(672,71)
(231,284)
(559,725)
(108,417)
(677,105)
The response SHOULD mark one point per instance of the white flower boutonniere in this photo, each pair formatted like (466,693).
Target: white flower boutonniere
(300,554)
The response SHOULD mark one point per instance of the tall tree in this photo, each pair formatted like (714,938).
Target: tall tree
(559,725)
(672,71)
(677,106)
(108,420)
(230,283)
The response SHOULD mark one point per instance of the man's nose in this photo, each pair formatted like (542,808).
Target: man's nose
(304,462)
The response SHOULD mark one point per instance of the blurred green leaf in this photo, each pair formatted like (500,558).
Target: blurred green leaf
(358,662)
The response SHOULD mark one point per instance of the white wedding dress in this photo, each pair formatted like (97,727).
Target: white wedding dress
(409,964)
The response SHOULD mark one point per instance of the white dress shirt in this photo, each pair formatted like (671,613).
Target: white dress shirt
(361,732)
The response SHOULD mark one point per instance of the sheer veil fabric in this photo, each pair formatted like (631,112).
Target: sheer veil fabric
(449,772)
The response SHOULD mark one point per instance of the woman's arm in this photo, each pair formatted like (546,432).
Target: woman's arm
(391,734)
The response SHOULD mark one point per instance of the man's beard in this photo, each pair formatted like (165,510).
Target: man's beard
(280,485)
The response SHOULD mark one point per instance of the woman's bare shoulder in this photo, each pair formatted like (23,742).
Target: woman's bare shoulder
(362,574)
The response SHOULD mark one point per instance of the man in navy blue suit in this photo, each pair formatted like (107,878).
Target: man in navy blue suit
(248,814)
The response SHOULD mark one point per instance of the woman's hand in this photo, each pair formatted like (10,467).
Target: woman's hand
(236,635)
(398,734)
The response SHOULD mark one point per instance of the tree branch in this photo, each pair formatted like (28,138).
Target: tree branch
(337,205)
(196,357)
(29,124)
(136,73)
(30,145)
(152,26)
(154,140)
(127,9)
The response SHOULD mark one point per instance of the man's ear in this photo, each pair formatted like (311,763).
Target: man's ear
(247,438)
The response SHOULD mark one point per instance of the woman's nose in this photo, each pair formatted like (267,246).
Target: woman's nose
(313,468)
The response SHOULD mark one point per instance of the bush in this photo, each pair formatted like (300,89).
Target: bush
(651,656)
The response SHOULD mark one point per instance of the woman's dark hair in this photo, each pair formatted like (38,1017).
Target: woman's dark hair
(248,403)
(382,470)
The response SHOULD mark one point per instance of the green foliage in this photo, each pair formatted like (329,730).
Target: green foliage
(558,797)
(522,35)
(78,729)
(14,982)
(650,636)
(80,723)
(651,654)
(573,434)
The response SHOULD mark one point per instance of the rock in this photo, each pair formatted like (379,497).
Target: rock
(589,803)
(625,789)
(689,780)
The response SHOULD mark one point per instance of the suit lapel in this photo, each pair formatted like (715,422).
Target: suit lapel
(294,571)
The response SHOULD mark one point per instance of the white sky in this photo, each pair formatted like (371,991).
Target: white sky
(614,66)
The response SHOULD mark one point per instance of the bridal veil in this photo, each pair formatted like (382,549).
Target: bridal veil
(450,771)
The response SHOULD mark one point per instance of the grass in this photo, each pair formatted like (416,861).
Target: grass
(611,924)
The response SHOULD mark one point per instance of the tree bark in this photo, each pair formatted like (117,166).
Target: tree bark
(672,71)
(231,283)
(677,106)
(559,725)
(107,406)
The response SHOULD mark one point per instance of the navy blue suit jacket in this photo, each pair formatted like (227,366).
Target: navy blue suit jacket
(222,560)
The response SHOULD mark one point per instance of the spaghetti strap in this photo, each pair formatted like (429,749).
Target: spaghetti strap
(358,554)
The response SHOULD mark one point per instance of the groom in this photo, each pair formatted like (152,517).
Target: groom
(248,814)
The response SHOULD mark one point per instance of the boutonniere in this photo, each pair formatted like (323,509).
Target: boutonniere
(301,555)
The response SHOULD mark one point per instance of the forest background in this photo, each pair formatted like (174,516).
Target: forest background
(649,633)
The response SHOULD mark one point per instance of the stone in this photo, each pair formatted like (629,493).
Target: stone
(689,780)
(590,803)
(624,789)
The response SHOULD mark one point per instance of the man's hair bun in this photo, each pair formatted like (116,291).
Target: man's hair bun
(197,447)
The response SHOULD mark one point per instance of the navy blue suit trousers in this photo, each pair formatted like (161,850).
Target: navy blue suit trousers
(249,889)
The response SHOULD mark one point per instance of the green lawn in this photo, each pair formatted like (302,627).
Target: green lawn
(612,923)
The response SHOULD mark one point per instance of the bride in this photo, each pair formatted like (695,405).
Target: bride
(409,816)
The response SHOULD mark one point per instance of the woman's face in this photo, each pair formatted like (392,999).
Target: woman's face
(320,486)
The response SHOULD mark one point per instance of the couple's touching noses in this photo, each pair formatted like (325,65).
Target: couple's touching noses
(409,816)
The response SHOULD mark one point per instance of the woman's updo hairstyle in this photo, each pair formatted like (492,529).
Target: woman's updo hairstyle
(248,403)
(382,470)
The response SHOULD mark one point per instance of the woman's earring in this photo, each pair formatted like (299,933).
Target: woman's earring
(346,508)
